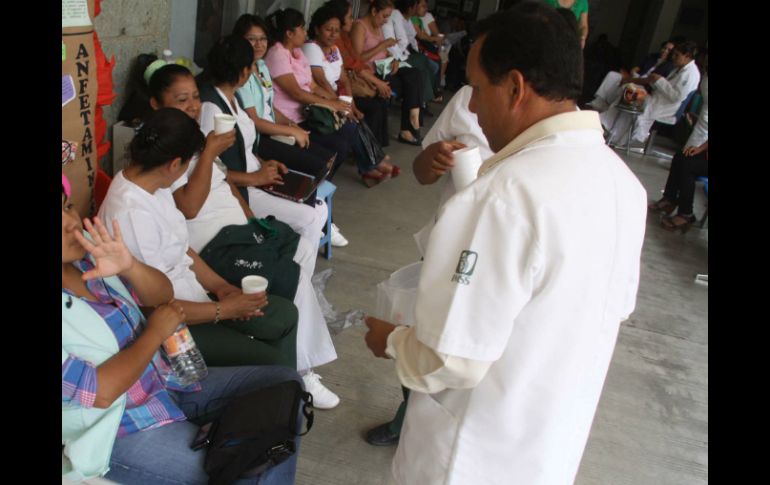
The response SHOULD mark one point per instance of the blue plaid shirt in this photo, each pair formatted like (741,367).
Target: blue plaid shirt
(148,402)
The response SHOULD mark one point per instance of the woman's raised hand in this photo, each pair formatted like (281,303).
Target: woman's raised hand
(111,254)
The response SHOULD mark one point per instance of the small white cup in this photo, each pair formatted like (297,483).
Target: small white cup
(253,284)
(467,162)
(346,99)
(223,123)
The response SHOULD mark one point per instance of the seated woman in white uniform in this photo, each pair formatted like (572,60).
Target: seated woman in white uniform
(210,203)
(237,329)
(230,66)
(662,104)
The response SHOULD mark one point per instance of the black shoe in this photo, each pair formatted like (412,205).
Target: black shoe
(416,143)
(382,436)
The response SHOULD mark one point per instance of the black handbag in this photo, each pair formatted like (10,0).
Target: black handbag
(372,148)
(255,432)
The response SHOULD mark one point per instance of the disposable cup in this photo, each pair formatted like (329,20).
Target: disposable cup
(253,284)
(467,162)
(223,123)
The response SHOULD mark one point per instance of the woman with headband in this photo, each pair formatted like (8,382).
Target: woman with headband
(215,209)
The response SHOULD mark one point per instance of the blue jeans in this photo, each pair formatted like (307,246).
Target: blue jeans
(163,455)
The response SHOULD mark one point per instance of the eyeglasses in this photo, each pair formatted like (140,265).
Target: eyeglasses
(69,150)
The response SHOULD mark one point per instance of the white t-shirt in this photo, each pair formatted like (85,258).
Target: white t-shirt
(427,19)
(394,28)
(456,122)
(220,209)
(316,58)
(155,232)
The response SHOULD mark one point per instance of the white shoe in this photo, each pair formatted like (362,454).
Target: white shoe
(323,398)
(338,240)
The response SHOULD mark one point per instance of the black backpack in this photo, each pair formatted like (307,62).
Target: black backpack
(255,432)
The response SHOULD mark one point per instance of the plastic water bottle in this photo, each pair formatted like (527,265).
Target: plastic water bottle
(168,56)
(184,356)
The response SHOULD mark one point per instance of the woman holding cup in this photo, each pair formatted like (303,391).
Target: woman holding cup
(327,67)
(256,98)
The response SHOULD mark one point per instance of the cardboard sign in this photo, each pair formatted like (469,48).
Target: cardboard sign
(78,114)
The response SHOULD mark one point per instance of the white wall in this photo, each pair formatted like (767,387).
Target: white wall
(181,37)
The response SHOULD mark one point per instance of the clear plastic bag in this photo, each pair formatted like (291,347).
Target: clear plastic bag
(397,295)
(337,321)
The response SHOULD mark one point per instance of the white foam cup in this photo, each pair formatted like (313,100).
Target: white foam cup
(346,99)
(467,162)
(223,123)
(253,284)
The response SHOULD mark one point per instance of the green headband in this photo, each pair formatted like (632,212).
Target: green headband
(154,66)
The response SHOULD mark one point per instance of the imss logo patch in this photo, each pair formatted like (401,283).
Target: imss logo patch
(465,267)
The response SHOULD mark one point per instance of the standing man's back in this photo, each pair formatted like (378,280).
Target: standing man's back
(527,275)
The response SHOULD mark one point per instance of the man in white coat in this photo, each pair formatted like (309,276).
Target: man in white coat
(663,103)
(528,273)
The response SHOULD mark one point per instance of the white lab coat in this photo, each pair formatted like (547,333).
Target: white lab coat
(456,122)
(661,105)
(700,133)
(305,220)
(395,28)
(531,268)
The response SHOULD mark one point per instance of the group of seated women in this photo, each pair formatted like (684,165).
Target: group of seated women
(188,218)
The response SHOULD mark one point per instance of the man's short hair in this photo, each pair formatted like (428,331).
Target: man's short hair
(536,40)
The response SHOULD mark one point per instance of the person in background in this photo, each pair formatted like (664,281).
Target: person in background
(431,45)
(664,102)
(580,9)
(374,103)
(686,166)
(326,64)
(611,88)
(370,45)
(125,415)
(256,98)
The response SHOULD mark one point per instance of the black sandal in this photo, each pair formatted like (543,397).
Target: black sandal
(663,205)
(670,224)
(416,142)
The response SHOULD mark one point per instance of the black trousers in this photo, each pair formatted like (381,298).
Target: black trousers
(310,160)
(680,186)
(375,112)
(407,83)
(340,142)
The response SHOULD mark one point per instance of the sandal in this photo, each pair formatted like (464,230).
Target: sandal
(663,205)
(373,177)
(408,142)
(678,223)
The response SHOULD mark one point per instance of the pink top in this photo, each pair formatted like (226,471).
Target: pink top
(280,62)
(372,40)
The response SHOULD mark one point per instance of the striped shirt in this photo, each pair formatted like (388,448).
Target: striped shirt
(148,402)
